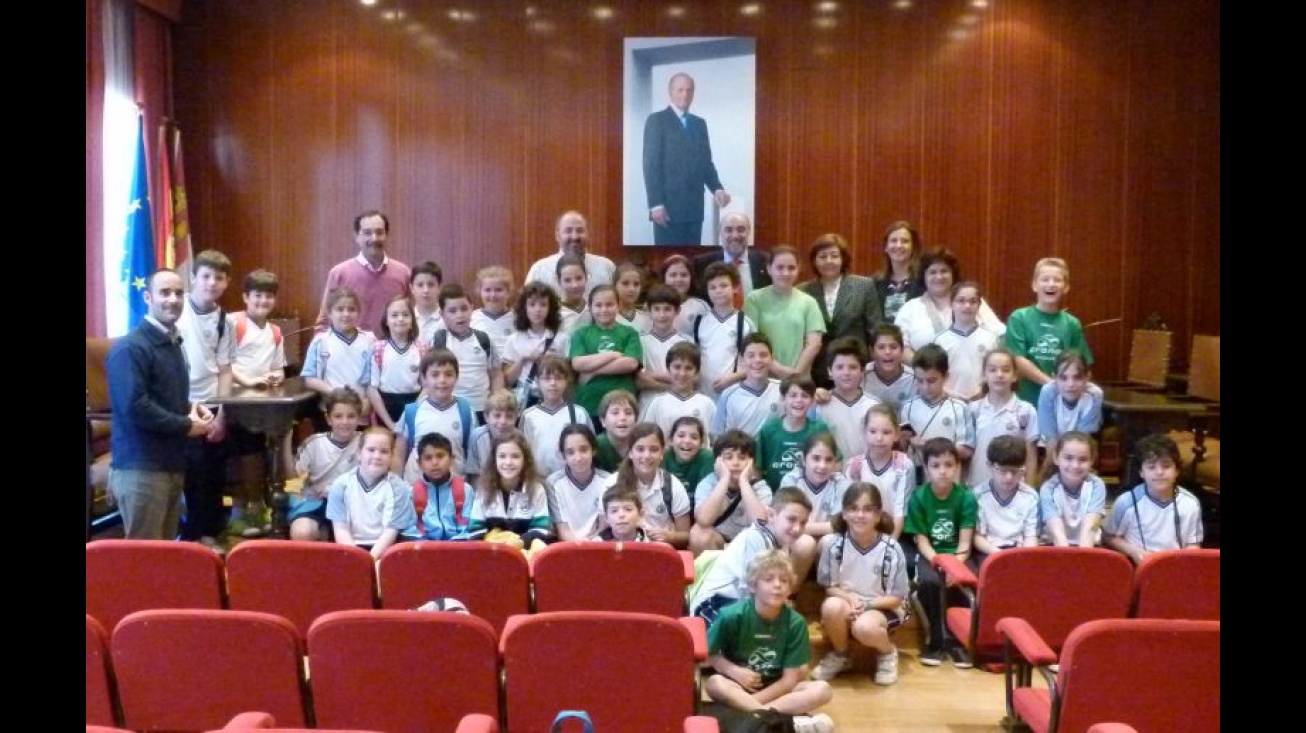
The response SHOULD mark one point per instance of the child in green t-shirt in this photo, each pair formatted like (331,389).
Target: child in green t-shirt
(780,439)
(942,514)
(688,458)
(759,648)
(1038,333)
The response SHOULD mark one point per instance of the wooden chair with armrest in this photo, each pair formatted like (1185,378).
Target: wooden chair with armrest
(97,436)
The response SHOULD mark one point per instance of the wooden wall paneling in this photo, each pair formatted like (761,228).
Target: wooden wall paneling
(1159,166)
(890,128)
(1090,151)
(824,105)
(308,227)
(1025,116)
(1091,131)
(1202,37)
(957,168)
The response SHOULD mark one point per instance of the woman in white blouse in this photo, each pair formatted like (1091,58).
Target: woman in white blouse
(924,318)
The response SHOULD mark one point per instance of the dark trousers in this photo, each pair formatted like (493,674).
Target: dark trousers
(928,583)
(679,232)
(206,475)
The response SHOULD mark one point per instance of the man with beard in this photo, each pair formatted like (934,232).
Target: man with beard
(152,416)
(572,235)
(736,230)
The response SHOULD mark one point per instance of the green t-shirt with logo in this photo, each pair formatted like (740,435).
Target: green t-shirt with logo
(779,450)
(1041,337)
(766,647)
(941,520)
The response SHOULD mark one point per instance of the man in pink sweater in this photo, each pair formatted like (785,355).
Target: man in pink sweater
(374,276)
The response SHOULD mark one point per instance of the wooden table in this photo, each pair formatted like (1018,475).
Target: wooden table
(272,412)
(1138,413)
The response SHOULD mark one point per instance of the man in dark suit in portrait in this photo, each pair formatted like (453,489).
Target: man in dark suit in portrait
(736,231)
(677,167)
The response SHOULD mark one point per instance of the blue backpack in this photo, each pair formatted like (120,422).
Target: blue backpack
(464,417)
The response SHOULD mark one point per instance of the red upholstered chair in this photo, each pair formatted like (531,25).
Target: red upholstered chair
(267,724)
(653,577)
(1054,588)
(1178,584)
(1157,675)
(123,576)
(1112,728)
(491,579)
(99,677)
(194,670)
(105,729)
(300,581)
(570,660)
(458,652)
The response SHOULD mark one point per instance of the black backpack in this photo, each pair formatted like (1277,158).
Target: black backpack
(765,720)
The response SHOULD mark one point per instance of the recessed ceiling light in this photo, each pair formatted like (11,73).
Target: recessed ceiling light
(750,9)
(368,3)
(902,4)
(675,11)
(979,3)
(828,6)
(601,12)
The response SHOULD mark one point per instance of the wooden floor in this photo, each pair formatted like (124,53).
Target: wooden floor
(923,699)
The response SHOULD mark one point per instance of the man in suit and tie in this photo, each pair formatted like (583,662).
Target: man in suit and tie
(736,230)
(678,166)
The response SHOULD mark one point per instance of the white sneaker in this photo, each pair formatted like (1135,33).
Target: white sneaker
(819,723)
(886,668)
(831,665)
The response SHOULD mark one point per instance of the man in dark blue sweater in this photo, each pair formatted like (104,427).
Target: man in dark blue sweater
(151,415)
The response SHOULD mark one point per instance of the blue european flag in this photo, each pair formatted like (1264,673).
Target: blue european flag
(138,250)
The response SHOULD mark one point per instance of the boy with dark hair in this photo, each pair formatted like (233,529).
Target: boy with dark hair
(654,379)
(721,332)
(844,408)
(932,413)
(441,500)
(681,400)
(207,344)
(730,498)
(942,515)
(623,510)
(425,282)
(887,378)
(257,360)
(480,371)
(747,404)
(1157,514)
(1007,507)
(780,439)
(438,411)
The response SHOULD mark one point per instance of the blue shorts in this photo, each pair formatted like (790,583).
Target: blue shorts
(314,509)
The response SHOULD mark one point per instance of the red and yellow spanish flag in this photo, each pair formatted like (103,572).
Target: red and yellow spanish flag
(172,243)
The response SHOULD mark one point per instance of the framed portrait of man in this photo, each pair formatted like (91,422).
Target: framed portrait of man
(689,137)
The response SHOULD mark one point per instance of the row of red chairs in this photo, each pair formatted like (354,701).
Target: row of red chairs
(1146,674)
(301,581)
(395,671)
(1058,588)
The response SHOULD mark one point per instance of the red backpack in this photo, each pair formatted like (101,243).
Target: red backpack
(459,488)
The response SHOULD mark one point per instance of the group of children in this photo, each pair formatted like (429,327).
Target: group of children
(553,416)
